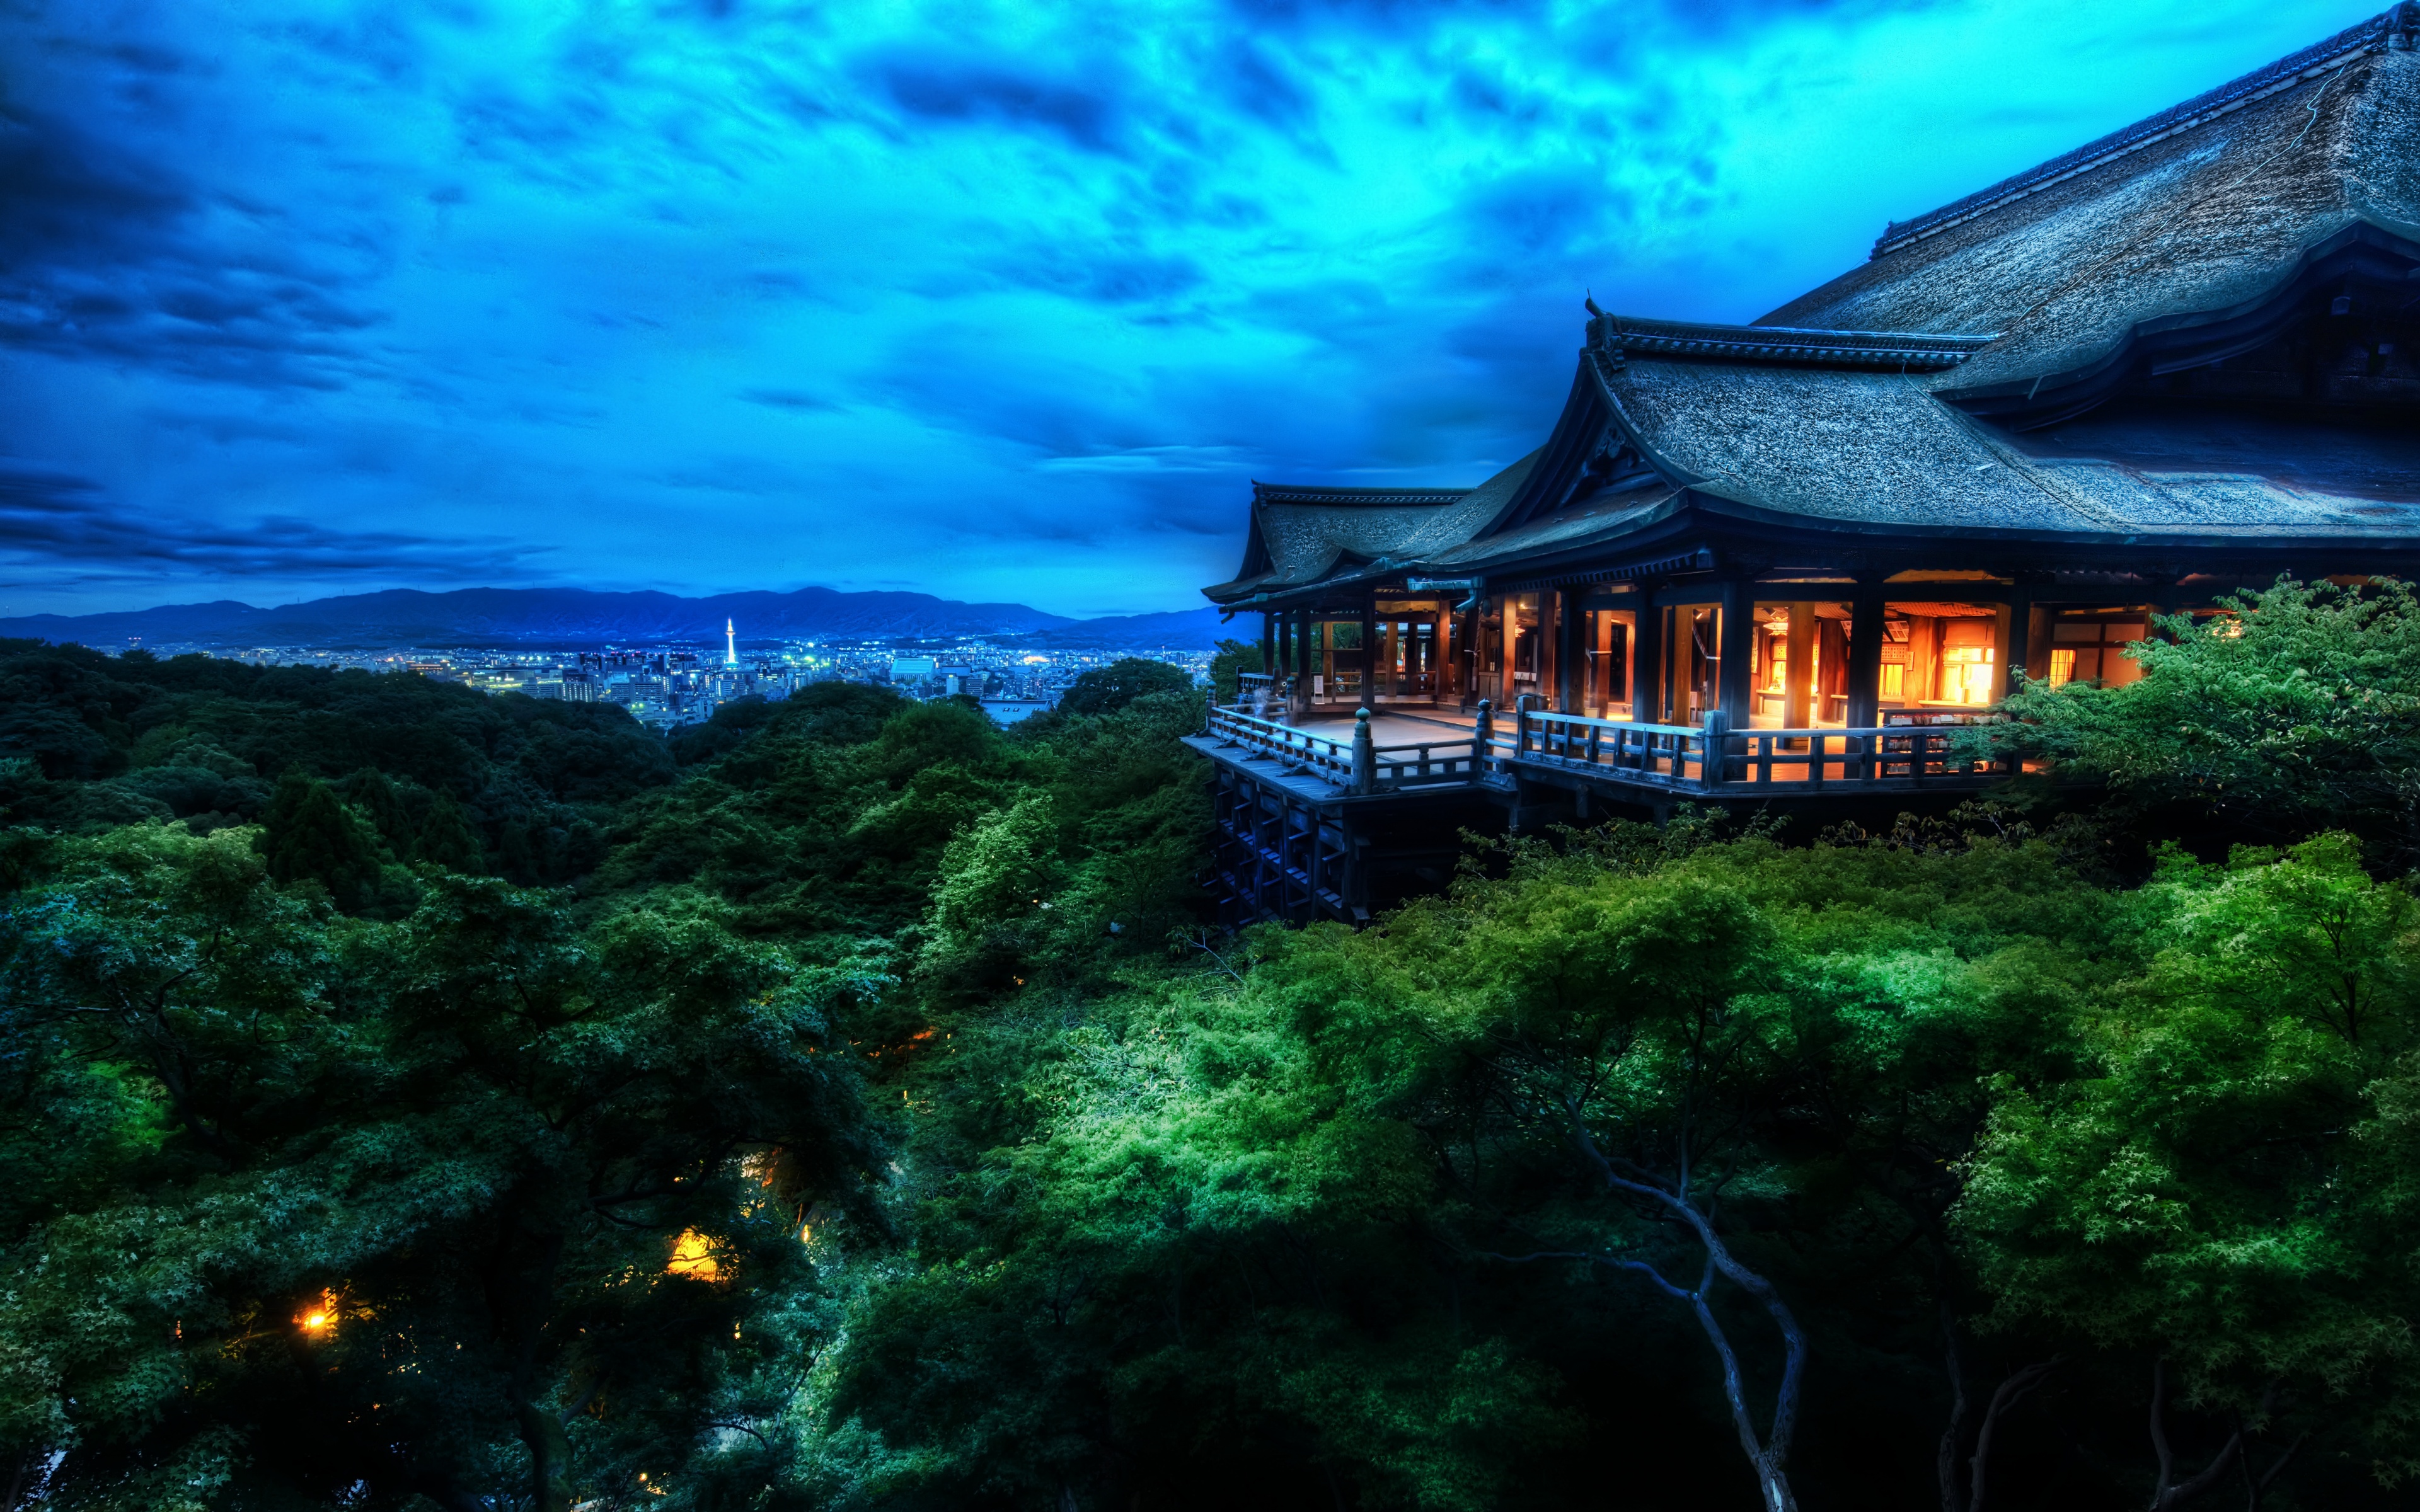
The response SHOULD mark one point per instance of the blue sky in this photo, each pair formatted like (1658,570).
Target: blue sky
(993,301)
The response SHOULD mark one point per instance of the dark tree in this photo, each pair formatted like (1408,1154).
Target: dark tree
(308,833)
(1107,690)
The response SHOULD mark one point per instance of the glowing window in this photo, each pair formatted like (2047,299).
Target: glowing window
(2062,667)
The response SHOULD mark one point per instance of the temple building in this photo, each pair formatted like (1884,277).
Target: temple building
(1779,560)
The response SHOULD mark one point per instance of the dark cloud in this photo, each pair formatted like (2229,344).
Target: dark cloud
(65,198)
(1261,85)
(101,254)
(1099,276)
(1086,117)
(60,520)
(788,400)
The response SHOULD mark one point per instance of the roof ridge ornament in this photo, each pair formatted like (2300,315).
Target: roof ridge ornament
(1622,337)
(2395,30)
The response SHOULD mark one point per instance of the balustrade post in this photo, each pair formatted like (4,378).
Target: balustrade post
(1485,731)
(1713,768)
(1365,755)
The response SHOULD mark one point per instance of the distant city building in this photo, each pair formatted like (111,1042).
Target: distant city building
(1009,710)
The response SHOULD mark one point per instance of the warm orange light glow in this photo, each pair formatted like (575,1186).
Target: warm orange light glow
(318,1318)
(694,1257)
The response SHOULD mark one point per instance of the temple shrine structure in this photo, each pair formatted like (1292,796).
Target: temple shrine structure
(1780,563)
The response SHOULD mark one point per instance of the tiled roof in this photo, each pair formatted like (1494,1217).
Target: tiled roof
(1307,531)
(2210,216)
(2397,30)
(1875,451)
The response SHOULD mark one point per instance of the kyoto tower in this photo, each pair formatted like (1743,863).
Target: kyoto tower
(729,645)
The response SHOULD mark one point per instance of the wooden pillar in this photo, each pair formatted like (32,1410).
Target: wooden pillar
(1441,651)
(1369,648)
(1678,655)
(1737,632)
(1646,654)
(1302,661)
(1866,656)
(2016,624)
(1465,658)
(1268,644)
(1567,651)
(1923,680)
(2038,641)
(1798,674)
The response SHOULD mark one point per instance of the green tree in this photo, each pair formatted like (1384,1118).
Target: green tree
(447,839)
(1156,1259)
(1107,690)
(370,791)
(2199,1194)
(1634,1023)
(2295,710)
(310,834)
(472,1206)
(1233,659)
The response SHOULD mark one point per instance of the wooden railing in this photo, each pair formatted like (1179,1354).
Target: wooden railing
(1689,758)
(1355,764)
(1665,755)
(1251,686)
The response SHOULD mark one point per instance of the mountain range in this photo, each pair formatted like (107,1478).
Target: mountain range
(569,617)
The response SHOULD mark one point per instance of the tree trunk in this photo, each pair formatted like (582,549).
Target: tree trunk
(1768,1453)
(1954,1436)
(2169,1493)
(524,1299)
(2006,1396)
(550,1450)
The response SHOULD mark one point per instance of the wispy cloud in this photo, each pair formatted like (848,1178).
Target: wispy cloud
(53,522)
(996,300)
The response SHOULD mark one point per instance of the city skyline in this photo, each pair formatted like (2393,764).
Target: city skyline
(984,305)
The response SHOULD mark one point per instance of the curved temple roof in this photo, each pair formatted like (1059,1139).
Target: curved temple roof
(2192,237)
(2200,210)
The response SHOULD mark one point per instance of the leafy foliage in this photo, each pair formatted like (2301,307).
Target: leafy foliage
(2295,710)
(250,1288)
(869,1118)
(88,741)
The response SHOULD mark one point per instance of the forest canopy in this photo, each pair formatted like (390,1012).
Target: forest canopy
(414,1099)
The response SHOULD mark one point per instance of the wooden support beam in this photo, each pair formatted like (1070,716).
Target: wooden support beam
(1866,655)
(1369,646)
(2016,625)
(1301,662)
(1268,644)
(1647,659)
(1798,672)
(1737,632)
(1567,651)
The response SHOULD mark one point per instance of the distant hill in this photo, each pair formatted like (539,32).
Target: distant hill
(1187,629)
(574,616)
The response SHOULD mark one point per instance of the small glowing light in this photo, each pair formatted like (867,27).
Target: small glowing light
(694,1257)
(319,1319)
